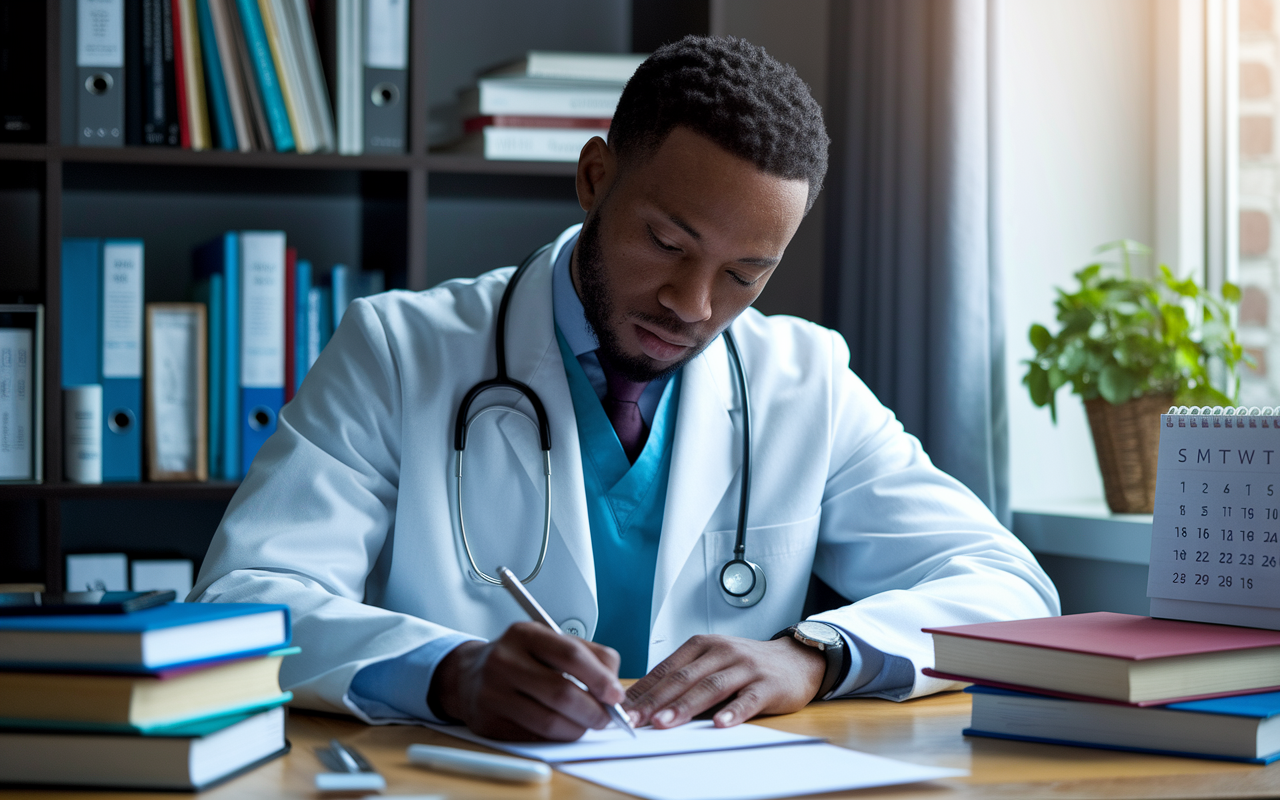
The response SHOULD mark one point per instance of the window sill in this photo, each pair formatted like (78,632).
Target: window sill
(1085,529)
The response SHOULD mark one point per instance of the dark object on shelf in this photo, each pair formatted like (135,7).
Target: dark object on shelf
(32,604)
(21,71)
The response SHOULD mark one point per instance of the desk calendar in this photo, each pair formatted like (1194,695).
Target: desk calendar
(1215,538)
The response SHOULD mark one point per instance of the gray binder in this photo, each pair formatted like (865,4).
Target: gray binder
(386,60)
(100,73)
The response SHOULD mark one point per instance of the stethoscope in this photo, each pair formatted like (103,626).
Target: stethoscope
(741,582)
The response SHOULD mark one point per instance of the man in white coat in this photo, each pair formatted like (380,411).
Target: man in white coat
(351,512)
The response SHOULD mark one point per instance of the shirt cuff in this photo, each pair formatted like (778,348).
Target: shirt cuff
(872,672)
(396,688)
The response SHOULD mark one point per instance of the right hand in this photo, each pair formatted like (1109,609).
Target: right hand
(513,687)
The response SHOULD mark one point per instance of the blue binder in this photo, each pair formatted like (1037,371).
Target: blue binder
(262,338)
(219,263)
(81,309)
(301,323)
(122,308)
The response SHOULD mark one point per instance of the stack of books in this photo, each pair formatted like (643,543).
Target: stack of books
(242,74)
(1120,681)
(175,697)
(544,106)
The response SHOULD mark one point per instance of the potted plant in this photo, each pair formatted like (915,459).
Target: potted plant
(1131,348)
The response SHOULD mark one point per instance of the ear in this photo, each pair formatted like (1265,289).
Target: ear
(596,170)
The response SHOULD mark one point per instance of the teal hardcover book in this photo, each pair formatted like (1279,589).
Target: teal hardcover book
(1239,728)
(177,634)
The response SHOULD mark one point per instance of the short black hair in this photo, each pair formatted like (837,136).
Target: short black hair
(733,93)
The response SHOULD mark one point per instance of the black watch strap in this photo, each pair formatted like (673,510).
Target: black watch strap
(837,661)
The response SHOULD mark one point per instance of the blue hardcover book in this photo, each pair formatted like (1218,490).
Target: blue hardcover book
(122,303)
(219,102)
(221,258)
(264,72)
(152,640)
(262,258)
(81,310)
(1240,728)
(301,323)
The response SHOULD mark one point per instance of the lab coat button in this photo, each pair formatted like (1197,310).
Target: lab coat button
(574,627)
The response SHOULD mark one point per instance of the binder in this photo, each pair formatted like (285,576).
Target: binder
(290,317)
(122,284)
(302,323)
(262,257)
(81,309)
(386,64)
(100,73)
(218,263)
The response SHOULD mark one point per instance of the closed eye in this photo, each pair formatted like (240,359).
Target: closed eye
(741,281)
(661,244)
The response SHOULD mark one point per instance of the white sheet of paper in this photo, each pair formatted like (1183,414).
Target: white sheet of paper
(756,774)
(695,737)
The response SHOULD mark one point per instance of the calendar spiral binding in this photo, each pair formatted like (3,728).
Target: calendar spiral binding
(1222,417)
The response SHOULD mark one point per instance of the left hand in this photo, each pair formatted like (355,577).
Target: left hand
(775,677)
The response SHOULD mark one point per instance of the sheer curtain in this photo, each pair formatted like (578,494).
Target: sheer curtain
(912,280)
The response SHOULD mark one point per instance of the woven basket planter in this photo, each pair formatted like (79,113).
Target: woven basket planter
(1127,439)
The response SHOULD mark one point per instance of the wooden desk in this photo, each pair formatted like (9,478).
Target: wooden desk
(925,731)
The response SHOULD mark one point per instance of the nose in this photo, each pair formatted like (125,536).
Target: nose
(688,296)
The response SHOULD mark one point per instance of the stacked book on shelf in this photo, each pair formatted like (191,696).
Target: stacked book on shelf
(241,74)
(542,107)
(189,391)
(175,697)
(1120,681)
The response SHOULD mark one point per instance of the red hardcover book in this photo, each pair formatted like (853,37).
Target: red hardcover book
(1118,657)
(290,320)
(478,124)
(179,73)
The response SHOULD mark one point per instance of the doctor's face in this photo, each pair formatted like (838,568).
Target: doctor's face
(676,244)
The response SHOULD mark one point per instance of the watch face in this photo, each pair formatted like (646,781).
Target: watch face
(819,632)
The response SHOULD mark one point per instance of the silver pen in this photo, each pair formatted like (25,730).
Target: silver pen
(538,614)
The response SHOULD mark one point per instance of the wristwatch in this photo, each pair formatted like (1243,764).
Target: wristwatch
(827,639)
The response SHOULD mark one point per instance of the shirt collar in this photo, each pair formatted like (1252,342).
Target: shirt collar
(570,316)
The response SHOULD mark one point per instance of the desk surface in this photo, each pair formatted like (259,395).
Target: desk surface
(925,731)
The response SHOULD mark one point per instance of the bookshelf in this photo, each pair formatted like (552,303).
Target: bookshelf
(372,210)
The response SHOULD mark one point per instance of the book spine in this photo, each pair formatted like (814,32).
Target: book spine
(265,72)
(136,81)
(290,314)
(21,48)
(219,99)
(286,63)
(313,75)
(535,144)
(193,70)
(173,113)
(180,74)
(520,99)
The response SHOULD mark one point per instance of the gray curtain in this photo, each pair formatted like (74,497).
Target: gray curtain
(912,278)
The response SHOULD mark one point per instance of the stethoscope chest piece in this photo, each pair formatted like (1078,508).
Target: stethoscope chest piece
(742,583)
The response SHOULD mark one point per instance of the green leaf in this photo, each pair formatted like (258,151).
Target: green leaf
(1038,383)
(1056,379)
(1040,337)
(1230,292)
(1116,384)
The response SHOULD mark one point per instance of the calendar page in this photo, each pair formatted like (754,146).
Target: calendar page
(1216,532)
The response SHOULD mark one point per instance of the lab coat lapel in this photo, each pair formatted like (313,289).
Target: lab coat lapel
(533,358)
(703,463)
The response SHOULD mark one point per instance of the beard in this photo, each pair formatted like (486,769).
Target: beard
(597,306)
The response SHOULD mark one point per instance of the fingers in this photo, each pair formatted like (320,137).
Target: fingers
(704,672)
(520,718)
(583,660)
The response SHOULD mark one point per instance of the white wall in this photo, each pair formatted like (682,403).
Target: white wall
(1075,165)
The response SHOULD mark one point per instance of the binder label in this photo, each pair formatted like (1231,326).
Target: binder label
(100,33)
(262,310)
(16,355)
(386,34)
(122,310)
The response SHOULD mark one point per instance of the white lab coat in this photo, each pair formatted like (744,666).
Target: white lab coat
(349,515)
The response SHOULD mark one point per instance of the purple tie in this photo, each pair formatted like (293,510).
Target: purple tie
(621,405)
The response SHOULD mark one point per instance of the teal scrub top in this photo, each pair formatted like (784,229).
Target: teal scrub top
(624,508)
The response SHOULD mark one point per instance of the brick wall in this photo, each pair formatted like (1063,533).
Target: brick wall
(1259,197)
